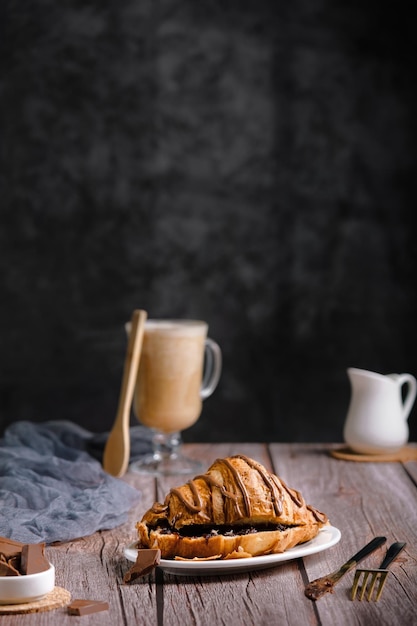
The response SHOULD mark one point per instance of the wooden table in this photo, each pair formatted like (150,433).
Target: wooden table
(361,499)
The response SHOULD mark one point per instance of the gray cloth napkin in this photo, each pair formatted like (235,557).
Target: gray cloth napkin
(53,489)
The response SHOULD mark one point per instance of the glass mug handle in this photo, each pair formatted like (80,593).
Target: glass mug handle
(212,368)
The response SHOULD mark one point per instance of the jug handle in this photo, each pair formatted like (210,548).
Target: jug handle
(406,379)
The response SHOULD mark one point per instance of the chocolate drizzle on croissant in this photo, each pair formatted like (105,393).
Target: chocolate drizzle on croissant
(270,482)
(236,504)
(196,506)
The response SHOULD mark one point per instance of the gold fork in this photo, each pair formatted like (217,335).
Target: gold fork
(376,575)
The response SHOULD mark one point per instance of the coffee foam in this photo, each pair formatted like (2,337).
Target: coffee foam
(191,328)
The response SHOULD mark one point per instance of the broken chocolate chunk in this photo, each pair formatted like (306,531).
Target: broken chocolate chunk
(146,561)
(86,607)
(10,548)
(14,561)
(33,558)
(7,568)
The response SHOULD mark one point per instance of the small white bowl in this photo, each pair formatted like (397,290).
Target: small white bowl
(26,588)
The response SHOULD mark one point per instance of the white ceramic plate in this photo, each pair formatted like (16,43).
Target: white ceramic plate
(326,538)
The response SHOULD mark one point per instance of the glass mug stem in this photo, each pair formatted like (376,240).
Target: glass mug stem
(166,445)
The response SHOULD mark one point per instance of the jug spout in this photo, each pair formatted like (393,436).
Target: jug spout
(357,374)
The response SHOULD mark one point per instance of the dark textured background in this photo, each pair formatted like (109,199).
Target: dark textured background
(249,163)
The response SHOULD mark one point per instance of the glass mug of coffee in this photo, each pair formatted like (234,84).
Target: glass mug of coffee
(179,367)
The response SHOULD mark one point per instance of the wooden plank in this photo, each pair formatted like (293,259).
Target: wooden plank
(93,568)
(362,500)
(139,601)
(260,597)
(411,468)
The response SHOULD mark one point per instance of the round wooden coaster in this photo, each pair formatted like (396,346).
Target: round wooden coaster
(55,599)
(407,453)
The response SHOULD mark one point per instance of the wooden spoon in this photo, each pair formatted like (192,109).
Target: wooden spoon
(117,451)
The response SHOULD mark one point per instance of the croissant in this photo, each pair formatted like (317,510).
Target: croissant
(236,509)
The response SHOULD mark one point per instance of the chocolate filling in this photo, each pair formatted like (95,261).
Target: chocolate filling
(207,531)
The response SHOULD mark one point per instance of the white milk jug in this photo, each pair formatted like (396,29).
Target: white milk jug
(376,421)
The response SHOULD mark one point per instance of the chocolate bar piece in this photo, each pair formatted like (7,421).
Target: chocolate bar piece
(33,558)
(14,561)
(86,607)
(10,548)
(7,568)
(10,552)
(146,561)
